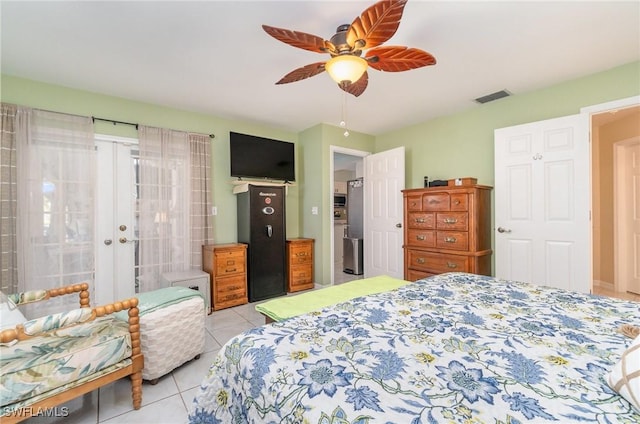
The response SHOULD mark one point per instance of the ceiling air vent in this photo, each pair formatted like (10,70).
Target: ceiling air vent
(493,96)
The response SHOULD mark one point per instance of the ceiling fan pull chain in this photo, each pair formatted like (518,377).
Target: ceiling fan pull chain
(343,122)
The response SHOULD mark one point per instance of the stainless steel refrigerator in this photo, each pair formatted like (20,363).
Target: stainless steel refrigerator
(261,224)
(353,238)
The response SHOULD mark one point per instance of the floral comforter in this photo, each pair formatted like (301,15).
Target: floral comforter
(455,348)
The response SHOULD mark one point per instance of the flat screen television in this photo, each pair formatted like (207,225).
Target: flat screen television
(261,158)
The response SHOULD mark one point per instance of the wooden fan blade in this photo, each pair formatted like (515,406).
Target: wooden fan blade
(298,39)
(358,87)
(376,24)
(398,58)
(302,73)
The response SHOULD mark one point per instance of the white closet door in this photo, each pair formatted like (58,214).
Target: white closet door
(542,202)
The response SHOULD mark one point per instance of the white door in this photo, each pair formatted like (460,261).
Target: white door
(628,210)
(384,179)
(542,202)
(115,217)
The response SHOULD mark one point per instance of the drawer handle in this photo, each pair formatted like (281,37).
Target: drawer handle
(230,270)
(452,265)
(420,237)
(456,202)
(420,260)
(301,254)
(433,201)
(420,220)
(231,262)
(450,220)
(414,204)
(450,239)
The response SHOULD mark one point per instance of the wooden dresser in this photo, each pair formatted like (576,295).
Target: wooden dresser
(447,229)
(227,266)
(299,264)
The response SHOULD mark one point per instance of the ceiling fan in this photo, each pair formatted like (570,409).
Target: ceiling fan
(347,67)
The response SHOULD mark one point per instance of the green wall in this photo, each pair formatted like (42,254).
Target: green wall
(61,99)
(459,145)
(315,144)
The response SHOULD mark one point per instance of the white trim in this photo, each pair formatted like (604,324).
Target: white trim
(621,256)
(615,104)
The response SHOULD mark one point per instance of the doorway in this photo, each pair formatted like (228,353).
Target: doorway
(614,134)
(345,165)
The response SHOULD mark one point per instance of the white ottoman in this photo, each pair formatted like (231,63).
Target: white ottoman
(171,329)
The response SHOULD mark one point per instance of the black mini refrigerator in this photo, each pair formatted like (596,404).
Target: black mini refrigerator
(261,225)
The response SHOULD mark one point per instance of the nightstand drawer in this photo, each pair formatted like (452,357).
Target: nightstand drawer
(300,254)
(230,263)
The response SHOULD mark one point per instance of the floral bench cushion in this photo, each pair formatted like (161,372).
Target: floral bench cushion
(60,357)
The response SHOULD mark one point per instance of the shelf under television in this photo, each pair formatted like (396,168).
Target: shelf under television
(240,186)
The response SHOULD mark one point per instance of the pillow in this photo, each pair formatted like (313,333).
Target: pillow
(10,315)
(624,378)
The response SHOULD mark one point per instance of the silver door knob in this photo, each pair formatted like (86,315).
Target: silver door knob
(503,230)
(108,242)
(125,240)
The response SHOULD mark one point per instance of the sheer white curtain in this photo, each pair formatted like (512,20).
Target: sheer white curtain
(201,194)
(56,184)
(8,200)
(164,170)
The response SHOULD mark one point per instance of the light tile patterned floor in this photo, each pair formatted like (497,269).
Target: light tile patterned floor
(169,401)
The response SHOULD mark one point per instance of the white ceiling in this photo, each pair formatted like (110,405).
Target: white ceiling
(213,56)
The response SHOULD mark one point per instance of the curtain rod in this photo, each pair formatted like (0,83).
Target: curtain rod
(94,119)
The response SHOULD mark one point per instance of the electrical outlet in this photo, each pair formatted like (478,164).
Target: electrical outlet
(314,210)
(214,210)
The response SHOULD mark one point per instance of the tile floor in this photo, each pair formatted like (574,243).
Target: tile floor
(169,401)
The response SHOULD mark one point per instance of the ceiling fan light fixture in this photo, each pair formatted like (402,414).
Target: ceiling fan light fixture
(346,68)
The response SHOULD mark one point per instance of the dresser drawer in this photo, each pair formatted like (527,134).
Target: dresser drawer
(435,202)
(421,238)
(230,262)
(421,220)
(436,262)
(459,202)
(414,203)
(452,221)
(413,275)
(453,240)
(300,254)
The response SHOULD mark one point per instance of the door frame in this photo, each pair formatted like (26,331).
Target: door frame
(626,102)
(346,151)
(620,204)
(106,266)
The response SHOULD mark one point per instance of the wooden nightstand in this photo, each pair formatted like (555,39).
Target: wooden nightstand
(227,266)
(299,264)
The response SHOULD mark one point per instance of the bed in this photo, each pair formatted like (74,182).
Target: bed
(455,347)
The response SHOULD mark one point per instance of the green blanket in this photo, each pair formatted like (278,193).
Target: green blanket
(156,299)
(290,306)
